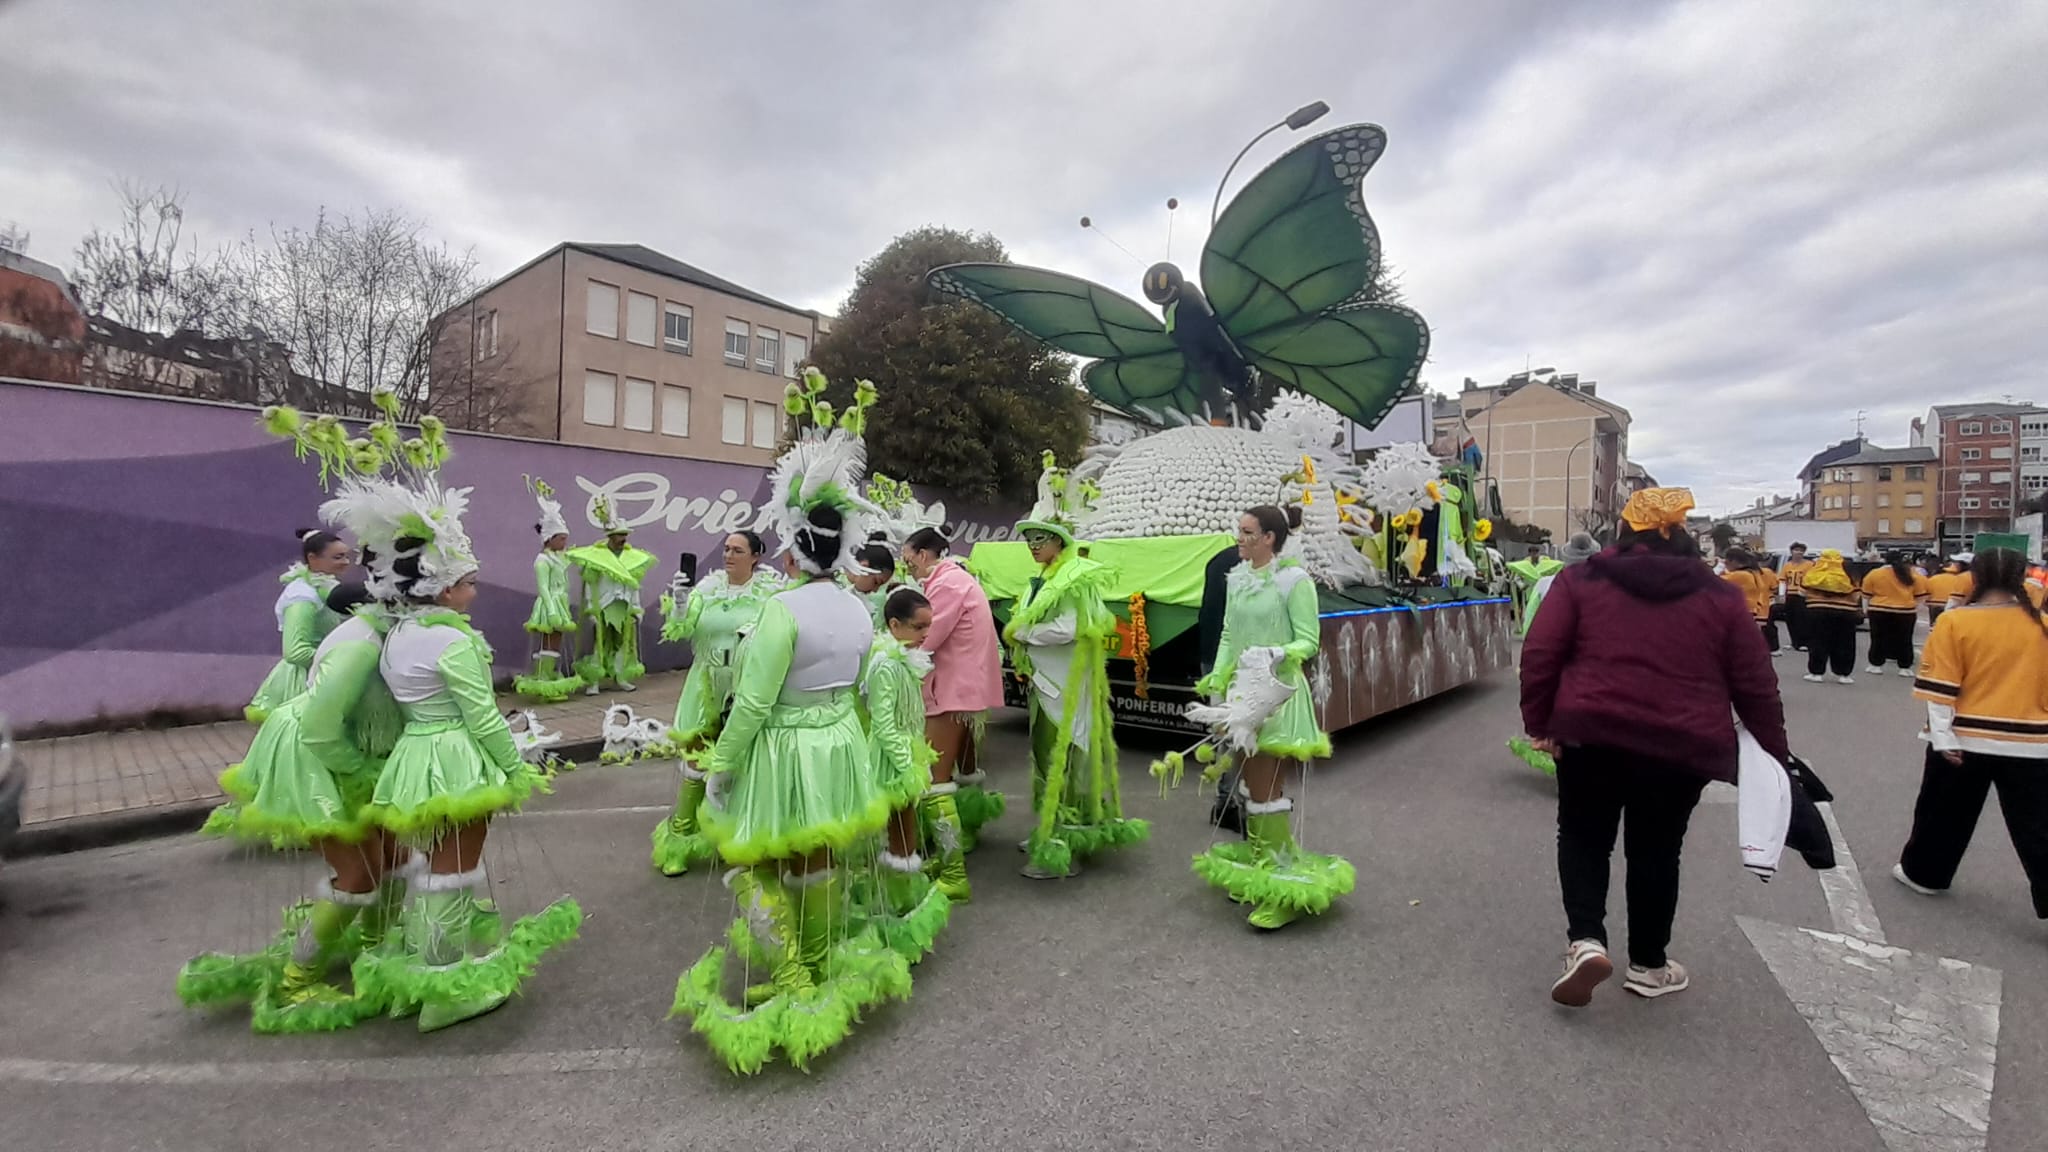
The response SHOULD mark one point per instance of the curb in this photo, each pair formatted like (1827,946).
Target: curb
(107,830)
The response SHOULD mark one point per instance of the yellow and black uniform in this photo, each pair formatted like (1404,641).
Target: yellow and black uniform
(1759,586)
(1792,577)
(1985,681)
(1832,605)
(1945,587)
(1894,609)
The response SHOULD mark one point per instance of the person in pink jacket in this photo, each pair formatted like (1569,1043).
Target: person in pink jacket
(966,681)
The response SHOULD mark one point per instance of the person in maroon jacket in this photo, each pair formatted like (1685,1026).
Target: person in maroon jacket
(1629,675)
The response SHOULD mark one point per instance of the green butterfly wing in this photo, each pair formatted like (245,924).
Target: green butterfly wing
(1157,383)
(1359,360)
(1067,312)
(1288,268)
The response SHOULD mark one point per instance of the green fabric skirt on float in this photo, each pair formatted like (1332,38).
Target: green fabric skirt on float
(805,784)
(285,683)
(282,793)
(437,777)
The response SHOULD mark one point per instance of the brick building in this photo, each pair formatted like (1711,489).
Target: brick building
(1992,456)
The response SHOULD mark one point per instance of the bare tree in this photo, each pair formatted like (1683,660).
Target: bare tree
(142,275)
(1599,523)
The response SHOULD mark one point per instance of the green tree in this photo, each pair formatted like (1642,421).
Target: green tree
(966,402)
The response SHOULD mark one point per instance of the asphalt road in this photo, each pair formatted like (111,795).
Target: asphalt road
(1129,1008)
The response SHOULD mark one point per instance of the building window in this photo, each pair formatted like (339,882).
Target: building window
(639,407)
(767,349)
(736,342)
(1915,527)
(1884,473)
(1856,500)
(1970,430)
(675,411)
(767,424)
(675,328)
(2004,453)
(1884,499)
(1968,504)
(2001,428)
(2001,477)
(487,334)
(1972,454)
(1916,472)
(1884,527)
(2034,483)
(640,318)
(2000,502)
(2033,429)
(600,398)
(1915,499)
(2030,453)
(1973,477)
(795,350)
(601,310)
(733,421)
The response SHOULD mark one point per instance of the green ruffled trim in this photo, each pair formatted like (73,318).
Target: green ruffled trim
(271,1016)
(838,835)
(550,690)
(1055,853)
(1307,882)
(860,972)
(679,850)
(1534,757)
(1317,749)
(212,979)
(443,812)
(398,979)
(978,806)
(914,933)
(239,820)
(902,788)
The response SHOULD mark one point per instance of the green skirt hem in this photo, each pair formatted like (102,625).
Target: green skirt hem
(240,819)
(837,835)
(444,812)
(1307,882)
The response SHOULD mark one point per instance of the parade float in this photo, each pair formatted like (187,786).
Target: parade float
(1291,332)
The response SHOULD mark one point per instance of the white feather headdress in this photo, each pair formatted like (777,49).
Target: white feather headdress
(551,523)
(824,468)
(380,513)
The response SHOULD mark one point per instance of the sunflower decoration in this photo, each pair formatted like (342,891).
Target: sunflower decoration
(1482,531)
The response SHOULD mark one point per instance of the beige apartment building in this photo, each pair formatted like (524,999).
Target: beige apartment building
(1557,453)
(620,346)
(1893,495)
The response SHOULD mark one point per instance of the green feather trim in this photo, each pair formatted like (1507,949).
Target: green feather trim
(860,972)
(979,806)
(394,979)
(1305,882)
(271,1016)
(1050,854)
(1317,749)
(634,671)
(215,978)
(1534,757)
(679,850)
(240,819)
(838,835)
(443,812)
(589,670)
(913,933)
(744,1038)
(549,690)
(739,936)
(1117,832)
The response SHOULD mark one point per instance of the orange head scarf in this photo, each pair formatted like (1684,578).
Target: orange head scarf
(1657,510)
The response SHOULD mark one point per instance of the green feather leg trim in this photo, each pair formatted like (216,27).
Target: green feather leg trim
(589,670)
(271,1016)
(739,936)
(1534,757)
(1317,749)
(1305,882)
(1117,832)
(444,812)
(396,979)
(673,849)
(979,807)
(548,689)
(913,934)
(838,835)
(215,978)
(1050,854)
(745,1038)
(860,972)
(635,671)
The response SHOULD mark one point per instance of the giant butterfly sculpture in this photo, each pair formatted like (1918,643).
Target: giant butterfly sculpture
(1286,277)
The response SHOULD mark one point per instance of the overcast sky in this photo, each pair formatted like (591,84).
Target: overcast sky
(1747,221)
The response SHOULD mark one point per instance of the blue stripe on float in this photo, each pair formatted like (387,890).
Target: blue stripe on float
(1412,608)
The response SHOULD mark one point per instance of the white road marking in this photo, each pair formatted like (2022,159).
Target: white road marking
(390,1068)
(1849,904)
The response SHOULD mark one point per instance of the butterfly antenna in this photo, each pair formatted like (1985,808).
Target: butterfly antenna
(1090,225)
(1171,204)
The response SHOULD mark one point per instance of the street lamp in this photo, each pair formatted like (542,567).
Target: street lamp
(1298,119)
(1568,480)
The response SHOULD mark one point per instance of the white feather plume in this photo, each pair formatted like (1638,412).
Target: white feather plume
(1255,694)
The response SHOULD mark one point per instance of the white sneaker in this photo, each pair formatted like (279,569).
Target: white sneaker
(1034,872)
(1899,874)
(591,691)
(1816,677)
(1875,670)
(1651,983)
(1586,967)
(1905,671)
(1845,679)
(1778,653)
(629,687)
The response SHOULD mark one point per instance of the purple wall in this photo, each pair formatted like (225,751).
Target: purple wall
(143,538)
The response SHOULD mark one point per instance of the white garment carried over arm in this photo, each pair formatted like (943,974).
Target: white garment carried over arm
(1763,806)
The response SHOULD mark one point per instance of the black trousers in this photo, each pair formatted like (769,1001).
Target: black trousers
(1596,786)
(1795,621)
(1770,628)
(1891,638)
(1934,612)
(1830,641)
(1952,797)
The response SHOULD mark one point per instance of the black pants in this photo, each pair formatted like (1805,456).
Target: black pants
(1830,641)
(1770,628)
(1795,621)
(1952,797)
(1595,786)
(1891,638)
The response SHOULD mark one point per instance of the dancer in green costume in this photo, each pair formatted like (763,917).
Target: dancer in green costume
(793,800)
(908,908)
(303,784)
(710,616)
(612,572)
(1270,626)
(1059,636)
(1532,579)
(302,618)
(552,622)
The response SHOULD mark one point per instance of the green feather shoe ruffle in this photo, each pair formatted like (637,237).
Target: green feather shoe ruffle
(547,689)
(395,981)
(803,1023)
(978,807)
(674,852)
(1302,882)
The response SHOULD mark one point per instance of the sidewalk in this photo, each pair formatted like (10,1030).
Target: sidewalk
(110,787)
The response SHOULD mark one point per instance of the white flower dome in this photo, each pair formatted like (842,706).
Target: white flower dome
(1190,480)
